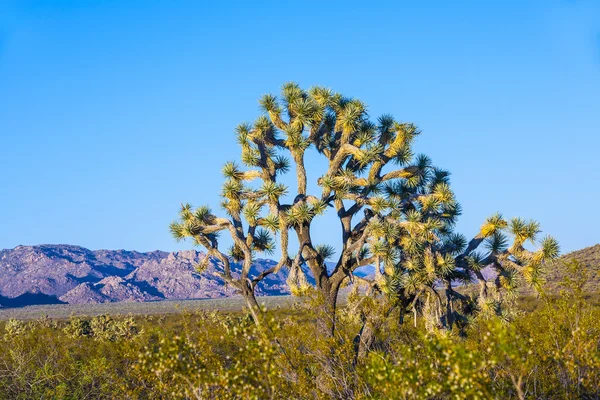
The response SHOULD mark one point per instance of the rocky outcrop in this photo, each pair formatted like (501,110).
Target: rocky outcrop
(112,288)
(73,274)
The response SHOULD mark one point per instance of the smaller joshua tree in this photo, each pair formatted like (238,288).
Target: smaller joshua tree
(431,261)
(396,211)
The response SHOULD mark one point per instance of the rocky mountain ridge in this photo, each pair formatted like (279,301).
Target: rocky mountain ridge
(48,274)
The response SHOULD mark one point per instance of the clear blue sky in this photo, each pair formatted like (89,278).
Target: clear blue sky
(112,113)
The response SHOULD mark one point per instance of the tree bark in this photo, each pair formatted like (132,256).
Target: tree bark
(363,341)
(253,306)
(326,319)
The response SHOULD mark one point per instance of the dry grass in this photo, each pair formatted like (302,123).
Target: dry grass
(60,311)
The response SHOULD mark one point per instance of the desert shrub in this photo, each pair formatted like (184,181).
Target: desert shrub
(15,327)
(46,322)
(48,363)
(432,367)
(104,327)
(230,359)
(78,327)
(551,352)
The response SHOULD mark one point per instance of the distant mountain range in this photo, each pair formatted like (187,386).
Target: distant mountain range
(51,274)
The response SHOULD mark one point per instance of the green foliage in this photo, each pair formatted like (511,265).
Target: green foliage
(549,353)
(15,327)
(78,327)
(102,327)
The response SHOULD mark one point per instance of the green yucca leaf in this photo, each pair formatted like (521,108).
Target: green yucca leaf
(232,189)
(532,229)
(440,176)
(251,157)
(395,189)
(370,154)
(232,171)
(413,264)
(475,261)
(325,251)
(327,182)
(509,281)
(191,228)
(402,155)
(177,231)
(423,162)
(456,242)
(412,282)
(270,222)
(443,193)
(273,191)
(376,228)
(341,191)
(203,265)
(295,140)
(344,178)
(185,213)
(263,241)
(408,129)
(252,212)
(282,164)
(532,274)
(385,125)
(321,95)
(550,248)
(390,256)
(445,263)
(492,224)
(236,253)
(378,204)
(363,137)
(350,118)
(306,110)
(378,248)
(451,211)
(269,103)
(263,127)
(319,207)
(429,203)
(338,102)
(518,227)
(497,242)
(364,252)
(291,91)
(411,245)
(300,213)
(429,262)
(204,215)
(433,224)
(414,181)
(391,232)
(243,129)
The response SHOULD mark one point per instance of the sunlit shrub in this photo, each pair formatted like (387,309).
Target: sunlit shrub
(552,352)
(14,327)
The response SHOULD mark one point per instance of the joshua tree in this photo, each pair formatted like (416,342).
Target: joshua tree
(396,212)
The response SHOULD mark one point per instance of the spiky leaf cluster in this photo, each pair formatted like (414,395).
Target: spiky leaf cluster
(397,210)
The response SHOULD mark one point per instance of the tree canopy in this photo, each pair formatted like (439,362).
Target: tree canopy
(397,212)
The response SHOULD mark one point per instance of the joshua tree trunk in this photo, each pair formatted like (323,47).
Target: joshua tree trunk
(449,306)
(326,319)
(253,306)
(363,341)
